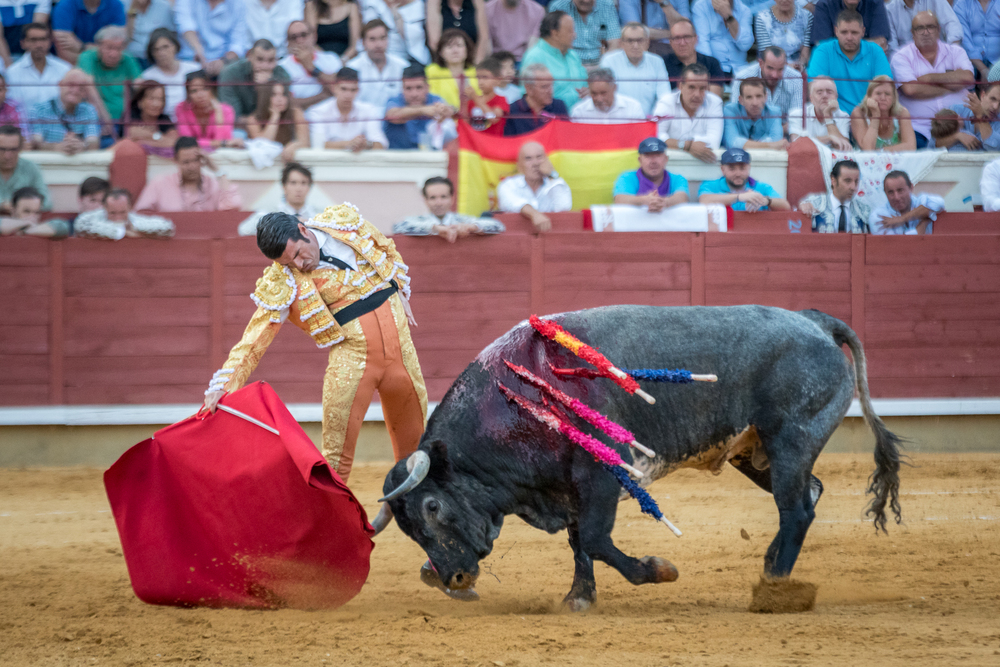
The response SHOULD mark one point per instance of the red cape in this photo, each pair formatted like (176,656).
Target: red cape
(221,512)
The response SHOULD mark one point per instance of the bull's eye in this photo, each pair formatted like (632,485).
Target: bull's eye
(432,505)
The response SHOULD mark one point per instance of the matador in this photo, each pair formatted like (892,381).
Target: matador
(340,280)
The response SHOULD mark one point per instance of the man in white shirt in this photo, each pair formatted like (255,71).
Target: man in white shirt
(296,182)
(342,123)
(381,72)
(824,121)
(640,74)
(309,68)
(35,77)
(535,189)
(604,106)
(269,19)
(906,213)
(989,186)
(691,117)
(410,17)
(901,13)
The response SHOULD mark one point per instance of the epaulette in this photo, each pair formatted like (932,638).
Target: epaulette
(275,291)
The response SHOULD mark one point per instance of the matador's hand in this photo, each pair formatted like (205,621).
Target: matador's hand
(406,309)
(212,400)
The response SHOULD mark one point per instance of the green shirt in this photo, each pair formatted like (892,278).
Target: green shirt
(26,174)
(567,70)
(243,98)
(109,81)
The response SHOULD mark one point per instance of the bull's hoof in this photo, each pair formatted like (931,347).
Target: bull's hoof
(431,578)
(577,604)
(663,570)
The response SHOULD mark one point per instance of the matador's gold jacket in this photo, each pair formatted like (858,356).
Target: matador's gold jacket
(306,298)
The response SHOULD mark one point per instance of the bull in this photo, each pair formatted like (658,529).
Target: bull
(784,386)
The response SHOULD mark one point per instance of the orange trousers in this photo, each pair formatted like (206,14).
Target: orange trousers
(377,354)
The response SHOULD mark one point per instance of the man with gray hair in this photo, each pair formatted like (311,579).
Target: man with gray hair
(784,83)
(538,105)
(111,67)
(640,74)
(604,106)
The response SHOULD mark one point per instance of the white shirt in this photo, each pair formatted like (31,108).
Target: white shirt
(172,83)
(514,193)
(414,19)
(812,127)
(706,126)
(249,226)
(646,82)
(933,203)
(272,24)
(327,124)
(624,110)
(29,87)
(901,21)
(989,186)
(377,87)
(334,248)
(305,84)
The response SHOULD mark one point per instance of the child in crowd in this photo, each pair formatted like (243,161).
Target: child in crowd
(487,111)
(505,85)
(26,205)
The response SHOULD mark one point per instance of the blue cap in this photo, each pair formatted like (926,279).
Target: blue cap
(735,156)
(652,145)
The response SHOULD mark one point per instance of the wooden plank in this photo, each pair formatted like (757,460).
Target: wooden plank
(18,369)
(24,394)
(858,285)
(479,278)
(138,282)
(136,394)
(17,339)
(610,247)
(945,306)
(513,306)
(437,387)
(926,278)
(138,341)
(627,276)
(563,300)
(297,392)
(25,252)
(925,362)
(813,276)
(237,309)
(938,387)
(446,335)
(929,333)
(286,366)
(777,248)
(113,314)
(934,249)
(537,272)
(698,270)
(242,280)
(244,252)
(837,304)
(175,253)
(25,295)
(101,371)
(445,363)
(217,306)
(478,250)
(57,323)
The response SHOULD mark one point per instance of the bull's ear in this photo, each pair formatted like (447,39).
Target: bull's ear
(440,465)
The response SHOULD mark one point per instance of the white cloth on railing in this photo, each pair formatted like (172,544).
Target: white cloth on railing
(263,152)
(680,218)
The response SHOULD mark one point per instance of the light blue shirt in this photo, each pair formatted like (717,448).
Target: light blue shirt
(869,62)
(644,82)
(991,144)
(220,30)
(932,202)
(980,30)
(740,128)
(713,35)
(628,184)
(720,187)
(631,10)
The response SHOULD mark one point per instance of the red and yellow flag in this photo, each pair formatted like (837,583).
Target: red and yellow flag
(589,158)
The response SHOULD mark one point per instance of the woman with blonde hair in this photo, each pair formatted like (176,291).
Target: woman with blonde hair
(880,122)
(278,119)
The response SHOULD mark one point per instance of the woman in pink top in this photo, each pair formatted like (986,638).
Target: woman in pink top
(205,118)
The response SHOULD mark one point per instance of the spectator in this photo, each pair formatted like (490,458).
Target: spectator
(651,185)
(751,122)
(880,122)
(26,209)
(205,118)
(115,221)
(411,113)
(538,105)
(310,69)
(150,126)
(508,72)
(874,20)
(684,40)
(452,73)
(14,16)
(786,26)
(337,24)
(640,75)
(343,123)
(405,20)
(842,212)
(167,69)
(296,182)
(35,77)
(596,25)
(824,120)
(239,80)
(110,67)
(849,60)
(277,118)
(726,27)
(439,195)
(381,72)
(487,112)
(91,194)
(604,106)
(931,75)
(11,112)
(737,190)
(906,212)
(188,188)
(468,16)
(657,15)
(784,83)
(269,19)
(902,12)
(980,34)
(514,24)
(17,172)
(142,18)
(554,51)
(76,22)
(976,126)
(692,116)
(989,186)
(214,32)
(67,124)
(536,188)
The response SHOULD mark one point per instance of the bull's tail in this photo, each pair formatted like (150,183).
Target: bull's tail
(884,481)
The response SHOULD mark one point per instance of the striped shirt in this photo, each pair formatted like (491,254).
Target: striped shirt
(787,95)
(599,25)
(792,36)
(50,121)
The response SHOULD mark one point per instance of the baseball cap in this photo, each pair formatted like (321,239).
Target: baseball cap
(735,156)
(652,145)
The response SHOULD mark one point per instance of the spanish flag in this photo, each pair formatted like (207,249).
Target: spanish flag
(588,157)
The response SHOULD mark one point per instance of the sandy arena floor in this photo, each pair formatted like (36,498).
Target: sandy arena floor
(926,594)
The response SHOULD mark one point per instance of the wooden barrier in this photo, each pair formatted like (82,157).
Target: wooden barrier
(143,321)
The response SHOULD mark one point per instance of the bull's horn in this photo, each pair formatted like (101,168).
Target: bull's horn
(382,519)
(418,465)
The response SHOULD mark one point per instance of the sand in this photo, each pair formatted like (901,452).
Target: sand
(927,593)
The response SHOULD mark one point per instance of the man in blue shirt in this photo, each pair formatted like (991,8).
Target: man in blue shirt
(651,185)
(980,33)
(75,22)
(408,114)
(906,212)
(849,60)
(538,106)
(737,190)
(752,122)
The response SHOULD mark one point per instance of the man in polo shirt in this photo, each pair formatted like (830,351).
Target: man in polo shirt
(236,82)
(554,51)
(604,106)
(906,212)
(726,29)
(76,22)
(849,60)
(536,189)
(110,67)
(309,68)
(538,106)
(596,24)
(826,16)
(381,73)
(684,41)
(640,74)
(751,122)
(409,114)
(737,190)
(36,75)
(692,116)
(67,124)
(651,185)
(784,83)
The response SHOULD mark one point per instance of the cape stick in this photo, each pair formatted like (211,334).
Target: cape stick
(652,374)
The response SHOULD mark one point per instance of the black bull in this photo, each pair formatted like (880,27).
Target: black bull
(784,387)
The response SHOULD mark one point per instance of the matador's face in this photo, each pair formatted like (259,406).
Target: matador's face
(301,254)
